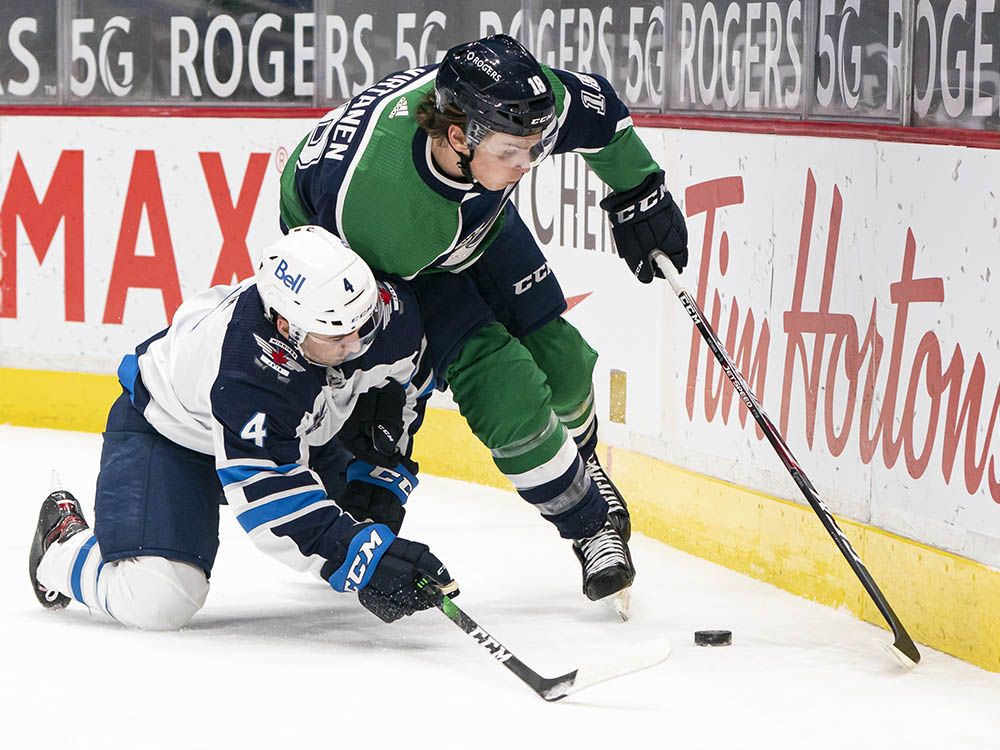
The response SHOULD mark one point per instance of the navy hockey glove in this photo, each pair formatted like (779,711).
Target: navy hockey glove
(385,570)
(392,591)
(645,219)
(369,502)
(375,427)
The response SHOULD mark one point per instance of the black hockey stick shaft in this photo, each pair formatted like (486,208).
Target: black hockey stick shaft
(902,641)
(549,688)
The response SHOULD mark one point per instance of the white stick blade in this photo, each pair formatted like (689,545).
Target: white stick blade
(902,659)
(639,657)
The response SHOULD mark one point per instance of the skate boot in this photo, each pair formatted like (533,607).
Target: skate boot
(60,518)
(617,510)
(606,562)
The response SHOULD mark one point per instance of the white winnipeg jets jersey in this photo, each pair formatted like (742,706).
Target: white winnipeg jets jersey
(222,381)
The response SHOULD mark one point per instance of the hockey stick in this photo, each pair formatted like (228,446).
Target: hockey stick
(549,688)
(902,647)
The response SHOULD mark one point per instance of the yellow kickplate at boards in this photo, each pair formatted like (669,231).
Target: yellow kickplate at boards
(57,400)
(619,383)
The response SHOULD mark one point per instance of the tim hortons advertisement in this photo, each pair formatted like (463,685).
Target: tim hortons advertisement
(851,282)
(853,307)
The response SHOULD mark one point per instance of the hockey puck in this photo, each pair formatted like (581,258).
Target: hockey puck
(713,637)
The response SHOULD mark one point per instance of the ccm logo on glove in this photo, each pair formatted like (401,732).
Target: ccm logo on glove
(642,206)
(367,546)
(645,219)
(359,565)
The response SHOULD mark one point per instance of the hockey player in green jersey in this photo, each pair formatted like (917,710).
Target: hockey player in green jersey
(416,173)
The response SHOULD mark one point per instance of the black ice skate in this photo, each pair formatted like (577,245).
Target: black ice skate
(617,510)
(606,562)
(59,519)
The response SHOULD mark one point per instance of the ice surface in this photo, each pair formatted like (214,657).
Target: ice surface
(278,660)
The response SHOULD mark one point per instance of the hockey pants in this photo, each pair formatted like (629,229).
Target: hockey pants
(520,374)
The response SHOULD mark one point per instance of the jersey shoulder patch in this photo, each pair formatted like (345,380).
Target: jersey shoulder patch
(277,355)
(256,356)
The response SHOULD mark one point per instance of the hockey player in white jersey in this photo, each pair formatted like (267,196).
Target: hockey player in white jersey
(252,393)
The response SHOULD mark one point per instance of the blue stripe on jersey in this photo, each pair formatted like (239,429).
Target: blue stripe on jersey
(429,389)
(128,371)
(261,514)
(232,474)
(81,559)
(130,377)
(363,555)
(260,490)
(397,480)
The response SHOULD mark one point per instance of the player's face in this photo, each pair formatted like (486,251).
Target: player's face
(330,350)
(501,159)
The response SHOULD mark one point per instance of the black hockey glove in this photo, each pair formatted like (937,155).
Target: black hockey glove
(645,219)
(374,429)
(369,502)
(392,591)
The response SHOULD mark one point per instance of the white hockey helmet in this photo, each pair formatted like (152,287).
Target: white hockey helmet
(313,280)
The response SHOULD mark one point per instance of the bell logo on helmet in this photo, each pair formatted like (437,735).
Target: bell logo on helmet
(293,282)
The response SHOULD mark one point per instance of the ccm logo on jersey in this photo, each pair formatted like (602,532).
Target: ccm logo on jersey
(529,281)
(356,572)
(292,282)
(642,205)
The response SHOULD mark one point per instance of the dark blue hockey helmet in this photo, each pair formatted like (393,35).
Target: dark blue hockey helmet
(498,85)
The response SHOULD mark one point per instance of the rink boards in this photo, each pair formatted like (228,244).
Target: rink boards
(850,278)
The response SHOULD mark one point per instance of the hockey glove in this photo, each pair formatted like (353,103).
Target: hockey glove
(374,429)
(368,502)
(392,591)
(645,219)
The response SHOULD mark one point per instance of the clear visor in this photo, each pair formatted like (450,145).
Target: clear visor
(367,332)
(525,151)
(324,349)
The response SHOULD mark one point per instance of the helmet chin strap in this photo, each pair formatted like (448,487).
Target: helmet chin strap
(465,162)
(297,336)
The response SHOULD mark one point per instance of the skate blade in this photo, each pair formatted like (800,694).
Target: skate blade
(622,603)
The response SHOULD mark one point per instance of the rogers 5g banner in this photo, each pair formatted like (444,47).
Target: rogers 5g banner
(918,62)
(300,52)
